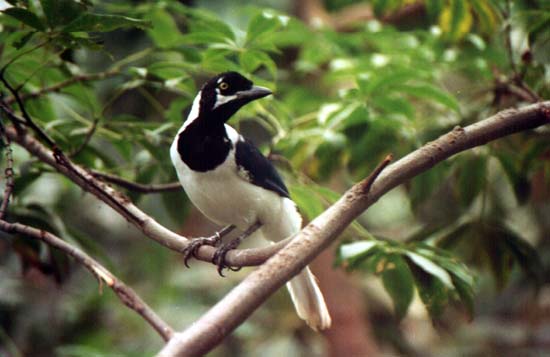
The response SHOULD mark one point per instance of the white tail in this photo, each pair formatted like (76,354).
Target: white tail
(308,300)
(304,291)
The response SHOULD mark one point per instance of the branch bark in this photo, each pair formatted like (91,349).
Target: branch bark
(8,173)
(126,294)
(239,304)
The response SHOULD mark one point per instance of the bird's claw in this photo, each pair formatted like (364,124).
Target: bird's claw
(194,245)
(221,252)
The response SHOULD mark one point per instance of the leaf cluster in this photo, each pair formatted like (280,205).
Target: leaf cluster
(111,82)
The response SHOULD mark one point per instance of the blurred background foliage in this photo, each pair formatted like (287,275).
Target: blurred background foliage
(111,82)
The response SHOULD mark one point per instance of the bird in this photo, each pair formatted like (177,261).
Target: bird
(234,185)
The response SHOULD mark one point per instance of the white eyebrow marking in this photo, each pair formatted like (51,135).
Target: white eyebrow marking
(220,80)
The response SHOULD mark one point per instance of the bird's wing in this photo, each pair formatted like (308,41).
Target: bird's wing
(256,168)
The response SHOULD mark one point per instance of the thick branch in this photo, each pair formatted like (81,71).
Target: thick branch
(124,293)
(239,304)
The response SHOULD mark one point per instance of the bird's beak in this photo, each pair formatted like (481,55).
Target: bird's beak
(255,92)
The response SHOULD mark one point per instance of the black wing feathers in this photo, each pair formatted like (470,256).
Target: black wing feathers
(260,171)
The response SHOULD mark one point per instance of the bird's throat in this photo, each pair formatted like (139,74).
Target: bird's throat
(203,145)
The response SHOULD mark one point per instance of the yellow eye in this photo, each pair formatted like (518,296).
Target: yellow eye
(223,86)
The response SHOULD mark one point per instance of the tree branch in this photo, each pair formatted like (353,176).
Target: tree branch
(126,294)
(502,124)
(314,13)
(239,304)
(57,87)
(27,120)
(128,210)
(134,186)
(8,172)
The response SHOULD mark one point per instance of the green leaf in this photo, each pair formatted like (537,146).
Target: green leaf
(263,25)
(465,293)
(487,15)
(430,92)
(176,204)
(399,283)
(425,184)
(103,23)
(356,249)
(23,40)
(384,7)
(434,8)
(176,110)
(393,105)
(453,237)
(471,179)
(26,17)
(381,82)
(456,19)
(306,199)
(462,278)
(251,60)
(431,268)
(524,254)
(204,21)
(517,176)
(495,253)
(432,291)
(164,32)
(168,70)
(61,12)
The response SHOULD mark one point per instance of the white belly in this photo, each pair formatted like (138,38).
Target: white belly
(226,198)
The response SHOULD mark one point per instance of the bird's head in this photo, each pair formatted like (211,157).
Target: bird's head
(221,96)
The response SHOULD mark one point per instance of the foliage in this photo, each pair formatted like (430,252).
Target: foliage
(438,276)
(109,81)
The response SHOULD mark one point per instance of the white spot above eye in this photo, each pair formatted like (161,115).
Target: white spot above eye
(222,99)
(219,80)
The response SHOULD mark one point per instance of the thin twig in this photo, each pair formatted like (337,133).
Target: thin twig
(522,91)
(17,121)
(517,86)
(135,186)
(87,139)
(8,172)
(57,87)
(126,294)
(27,118)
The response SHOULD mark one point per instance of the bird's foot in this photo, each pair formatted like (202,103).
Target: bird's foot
(194,245)
(221,252)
